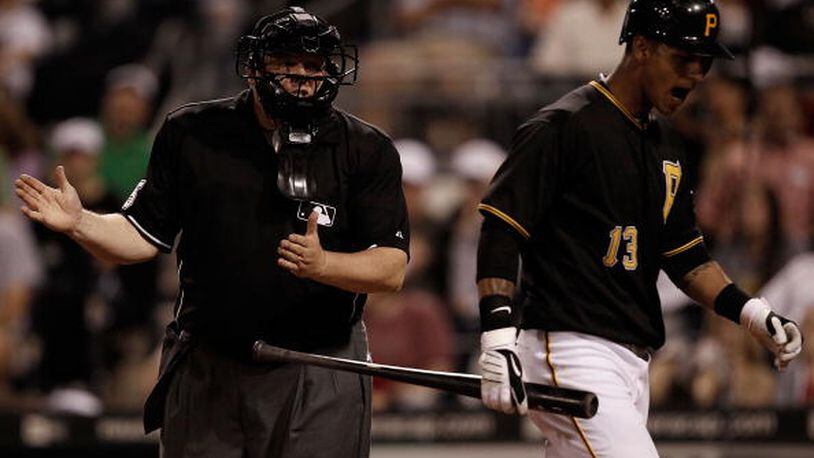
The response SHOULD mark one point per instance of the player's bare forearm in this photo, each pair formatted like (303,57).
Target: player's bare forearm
(704,283)
(493,286)
(375,270)
(112,238)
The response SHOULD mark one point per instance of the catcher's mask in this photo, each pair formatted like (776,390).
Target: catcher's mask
(295,32)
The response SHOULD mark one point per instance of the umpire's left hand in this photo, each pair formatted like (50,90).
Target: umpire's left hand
(302,255)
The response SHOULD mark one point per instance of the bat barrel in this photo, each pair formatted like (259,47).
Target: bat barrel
(564,401)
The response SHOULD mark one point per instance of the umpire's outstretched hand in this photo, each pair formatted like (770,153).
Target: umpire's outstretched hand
(502,375)
(302,255)
(59,209)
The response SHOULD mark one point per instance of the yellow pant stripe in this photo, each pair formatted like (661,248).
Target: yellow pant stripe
(557,383)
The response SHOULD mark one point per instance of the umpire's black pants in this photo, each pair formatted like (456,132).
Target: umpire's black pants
(217,407)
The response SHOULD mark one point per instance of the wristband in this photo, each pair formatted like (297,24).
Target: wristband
(730,302)
(495,312)
(504,337)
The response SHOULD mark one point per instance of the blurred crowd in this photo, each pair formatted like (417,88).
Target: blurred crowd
(85,83)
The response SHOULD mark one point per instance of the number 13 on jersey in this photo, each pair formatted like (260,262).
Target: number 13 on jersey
(630,235)
(672,177)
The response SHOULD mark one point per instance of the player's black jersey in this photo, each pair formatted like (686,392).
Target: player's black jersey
(212,177)
(602,202)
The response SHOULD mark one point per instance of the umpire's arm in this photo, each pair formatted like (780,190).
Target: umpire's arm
(378,269)
(110,238)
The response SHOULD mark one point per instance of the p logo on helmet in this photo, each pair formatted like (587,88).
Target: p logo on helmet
(712,22)
(688,25)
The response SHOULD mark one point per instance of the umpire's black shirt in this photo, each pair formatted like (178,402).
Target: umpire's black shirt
(601,202)
(212,177)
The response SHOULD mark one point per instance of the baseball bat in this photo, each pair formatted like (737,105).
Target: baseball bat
(564,401)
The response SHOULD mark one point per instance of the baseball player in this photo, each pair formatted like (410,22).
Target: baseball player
(288,211)
(594,197)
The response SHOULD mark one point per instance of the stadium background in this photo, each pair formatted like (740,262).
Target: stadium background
(86,82)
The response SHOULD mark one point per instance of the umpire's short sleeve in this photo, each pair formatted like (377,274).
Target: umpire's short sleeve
(526,183)
(152,207)
(378,208)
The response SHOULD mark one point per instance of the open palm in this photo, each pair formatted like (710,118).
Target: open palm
(59,209)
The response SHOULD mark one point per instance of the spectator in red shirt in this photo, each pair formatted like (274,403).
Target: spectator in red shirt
(781,158)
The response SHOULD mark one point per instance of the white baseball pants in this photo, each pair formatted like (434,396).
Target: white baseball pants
(617,376)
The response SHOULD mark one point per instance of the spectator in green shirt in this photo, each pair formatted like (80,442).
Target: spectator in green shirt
(126,110)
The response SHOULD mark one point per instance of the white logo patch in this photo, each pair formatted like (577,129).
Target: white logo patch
(132,198)
(400,235)
(327,214)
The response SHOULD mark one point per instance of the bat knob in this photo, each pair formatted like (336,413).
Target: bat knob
(590,404)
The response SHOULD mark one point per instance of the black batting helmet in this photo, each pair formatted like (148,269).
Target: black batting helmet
(294,30)
(689,25)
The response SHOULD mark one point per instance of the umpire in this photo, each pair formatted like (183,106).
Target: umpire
(595,198)
(289,211)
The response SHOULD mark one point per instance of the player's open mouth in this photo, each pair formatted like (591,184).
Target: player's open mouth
(680,93)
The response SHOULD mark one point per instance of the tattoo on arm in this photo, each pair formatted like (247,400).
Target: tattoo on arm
(492,286)
(695,273)
(704,283)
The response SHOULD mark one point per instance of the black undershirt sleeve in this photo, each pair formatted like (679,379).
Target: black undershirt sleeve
(498,257)
(498,250)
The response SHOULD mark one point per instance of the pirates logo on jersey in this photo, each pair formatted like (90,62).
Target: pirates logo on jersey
(672,177)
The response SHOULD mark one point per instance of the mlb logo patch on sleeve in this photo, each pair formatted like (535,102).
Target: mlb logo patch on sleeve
(327,214)
(129,202)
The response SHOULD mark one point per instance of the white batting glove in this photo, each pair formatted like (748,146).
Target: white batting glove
(778,334)
(502,383)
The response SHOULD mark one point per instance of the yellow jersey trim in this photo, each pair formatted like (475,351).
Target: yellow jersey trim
(684,247)
(609,95)
(557,383)
(508,219)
